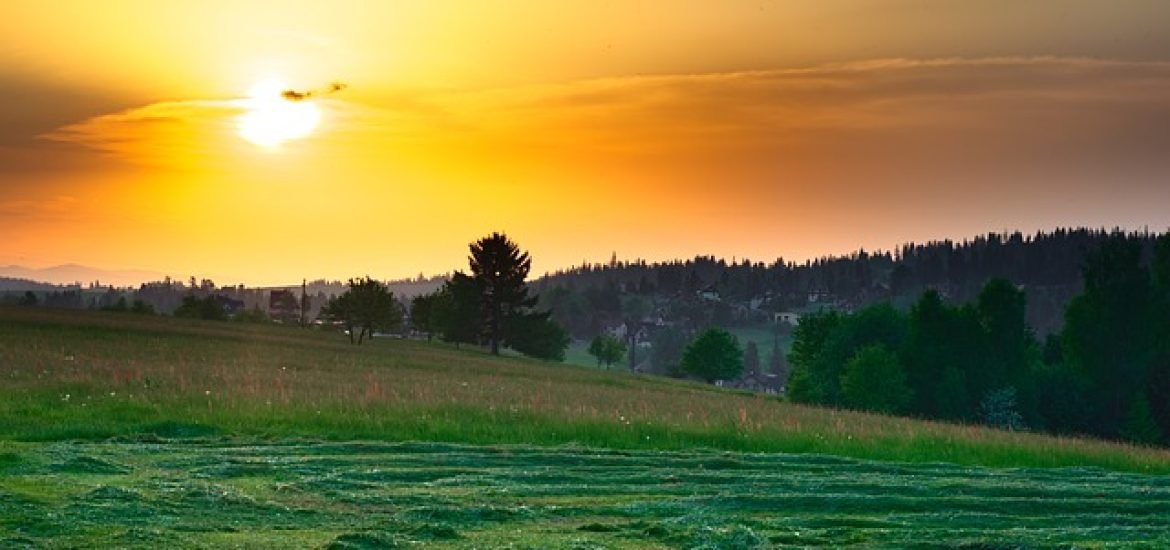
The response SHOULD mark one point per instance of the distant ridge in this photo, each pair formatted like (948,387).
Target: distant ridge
(68,274)
(8,284)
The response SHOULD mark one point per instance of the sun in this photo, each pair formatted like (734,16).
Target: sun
(271,120)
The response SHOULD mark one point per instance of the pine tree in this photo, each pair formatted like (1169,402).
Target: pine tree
(499,267)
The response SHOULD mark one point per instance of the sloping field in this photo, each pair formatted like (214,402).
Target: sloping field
(87,375)
(383,495)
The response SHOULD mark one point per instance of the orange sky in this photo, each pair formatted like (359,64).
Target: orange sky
(653,129)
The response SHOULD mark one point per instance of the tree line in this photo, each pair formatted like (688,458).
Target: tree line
(1105,373)
(590,296)
(491,306)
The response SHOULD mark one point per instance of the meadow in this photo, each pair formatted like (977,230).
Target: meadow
(131,431)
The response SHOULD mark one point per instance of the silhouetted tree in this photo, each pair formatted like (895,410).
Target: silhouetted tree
(457,310)
(421,310)
(367,305)
(500,268)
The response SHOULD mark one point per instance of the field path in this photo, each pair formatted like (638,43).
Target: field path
(221,493)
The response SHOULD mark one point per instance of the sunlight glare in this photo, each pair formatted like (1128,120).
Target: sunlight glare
(271,119)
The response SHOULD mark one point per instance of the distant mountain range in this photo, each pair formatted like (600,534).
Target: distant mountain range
(68,274)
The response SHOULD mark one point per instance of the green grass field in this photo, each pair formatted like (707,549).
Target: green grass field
(151,494)
(119,430)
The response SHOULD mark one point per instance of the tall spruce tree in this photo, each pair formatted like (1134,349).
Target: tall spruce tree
(499,266)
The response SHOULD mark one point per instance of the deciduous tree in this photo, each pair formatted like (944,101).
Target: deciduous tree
(713,355)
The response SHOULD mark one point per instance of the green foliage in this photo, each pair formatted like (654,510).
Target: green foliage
(1000,410)
(1010,347)
(713,355)
(499,267)
(1109,333)
(367,306)
(456,312)
(422,316)
(141,308)
(607,349)
(949,357)
(29,298)
(808,381)
(945,358)
(1053,354)
(825,342)
(536,335)
(1138,425)
(1061,397)
(874,381)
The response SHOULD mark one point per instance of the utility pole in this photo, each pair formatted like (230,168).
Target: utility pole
(304,303)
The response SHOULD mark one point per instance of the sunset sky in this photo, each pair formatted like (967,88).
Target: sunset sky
(152,135)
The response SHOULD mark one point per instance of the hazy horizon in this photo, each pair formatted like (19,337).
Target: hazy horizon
(72,272)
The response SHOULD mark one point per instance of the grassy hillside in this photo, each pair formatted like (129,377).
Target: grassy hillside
(87,375)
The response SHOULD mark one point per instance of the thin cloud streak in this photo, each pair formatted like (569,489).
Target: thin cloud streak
(717,111)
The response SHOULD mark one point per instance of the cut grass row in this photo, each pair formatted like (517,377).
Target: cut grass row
(87,375)
(377,495)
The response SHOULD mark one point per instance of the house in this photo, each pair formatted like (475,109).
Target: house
(710,293)
(789,318)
